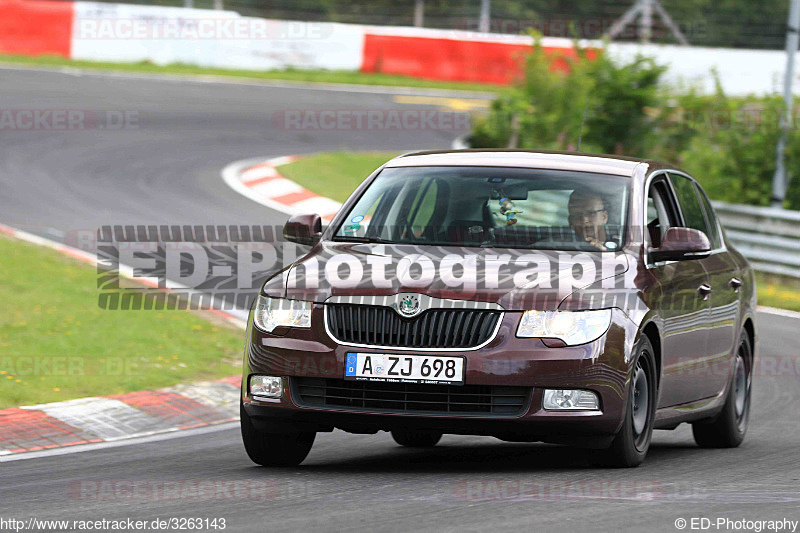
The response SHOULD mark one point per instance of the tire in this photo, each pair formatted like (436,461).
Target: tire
(416,439)
(728,428)
(630,445)
(274,449)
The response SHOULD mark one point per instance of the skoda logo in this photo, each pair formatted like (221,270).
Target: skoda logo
(409,305)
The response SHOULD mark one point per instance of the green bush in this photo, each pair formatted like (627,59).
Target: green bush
(546,110)
(727,143)
(732,149)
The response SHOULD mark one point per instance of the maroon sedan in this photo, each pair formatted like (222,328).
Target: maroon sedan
(558,297)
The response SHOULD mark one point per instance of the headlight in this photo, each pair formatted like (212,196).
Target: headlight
(572,327)
(273,312)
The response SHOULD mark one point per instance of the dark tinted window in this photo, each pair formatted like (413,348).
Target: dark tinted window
(491,207)
(660,213)
(713,226)
(689,201)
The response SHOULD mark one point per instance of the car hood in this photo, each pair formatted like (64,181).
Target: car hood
(513,279)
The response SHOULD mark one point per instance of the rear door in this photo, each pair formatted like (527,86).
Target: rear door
(723,272)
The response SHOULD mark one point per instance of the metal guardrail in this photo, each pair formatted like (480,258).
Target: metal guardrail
(768,237)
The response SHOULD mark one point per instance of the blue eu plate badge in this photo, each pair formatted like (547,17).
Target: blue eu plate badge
(350,369)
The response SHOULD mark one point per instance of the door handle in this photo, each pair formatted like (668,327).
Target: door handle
(734,284)
(704,290)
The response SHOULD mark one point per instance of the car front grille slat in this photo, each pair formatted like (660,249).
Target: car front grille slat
(381,331)
(471,326)
(481,328)
(369,396)
(468,324)
(434,328)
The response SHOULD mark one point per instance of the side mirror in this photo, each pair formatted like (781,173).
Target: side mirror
(681,243)
(303,229)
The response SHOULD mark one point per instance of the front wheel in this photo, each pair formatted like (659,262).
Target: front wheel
(630,445)
(274,449)
(727,430)
(416,439)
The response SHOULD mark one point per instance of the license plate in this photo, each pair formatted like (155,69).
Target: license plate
(404,368)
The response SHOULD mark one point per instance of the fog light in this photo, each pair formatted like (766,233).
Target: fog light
(266,387)
(570,400)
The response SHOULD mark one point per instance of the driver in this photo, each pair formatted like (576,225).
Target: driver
(588,218)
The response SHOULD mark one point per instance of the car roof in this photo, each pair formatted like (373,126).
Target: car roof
(549,160)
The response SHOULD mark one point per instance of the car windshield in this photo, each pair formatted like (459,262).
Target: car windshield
(490,206)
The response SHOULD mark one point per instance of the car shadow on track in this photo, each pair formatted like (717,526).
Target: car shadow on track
(495,457)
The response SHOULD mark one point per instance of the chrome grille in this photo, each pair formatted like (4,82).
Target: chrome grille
(434,328)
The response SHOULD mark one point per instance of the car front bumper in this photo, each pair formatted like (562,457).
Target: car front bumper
(602,366)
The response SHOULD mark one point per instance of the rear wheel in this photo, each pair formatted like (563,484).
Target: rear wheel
(727,430)
(274,449)
(630,445)
(416,439)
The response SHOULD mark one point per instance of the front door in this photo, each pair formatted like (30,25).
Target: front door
(716,364)
(682,304)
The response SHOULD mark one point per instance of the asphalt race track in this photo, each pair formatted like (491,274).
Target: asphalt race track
(168,171)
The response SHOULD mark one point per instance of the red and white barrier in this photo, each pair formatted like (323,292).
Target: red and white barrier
(35,27)
(223,39)
(455,55)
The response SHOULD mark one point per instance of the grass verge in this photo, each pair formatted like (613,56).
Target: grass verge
(335,174)
(775,291)
(57,344)
(295,75)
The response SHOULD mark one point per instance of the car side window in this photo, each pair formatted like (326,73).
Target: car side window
(689,200)
(713,225)
(661,213)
